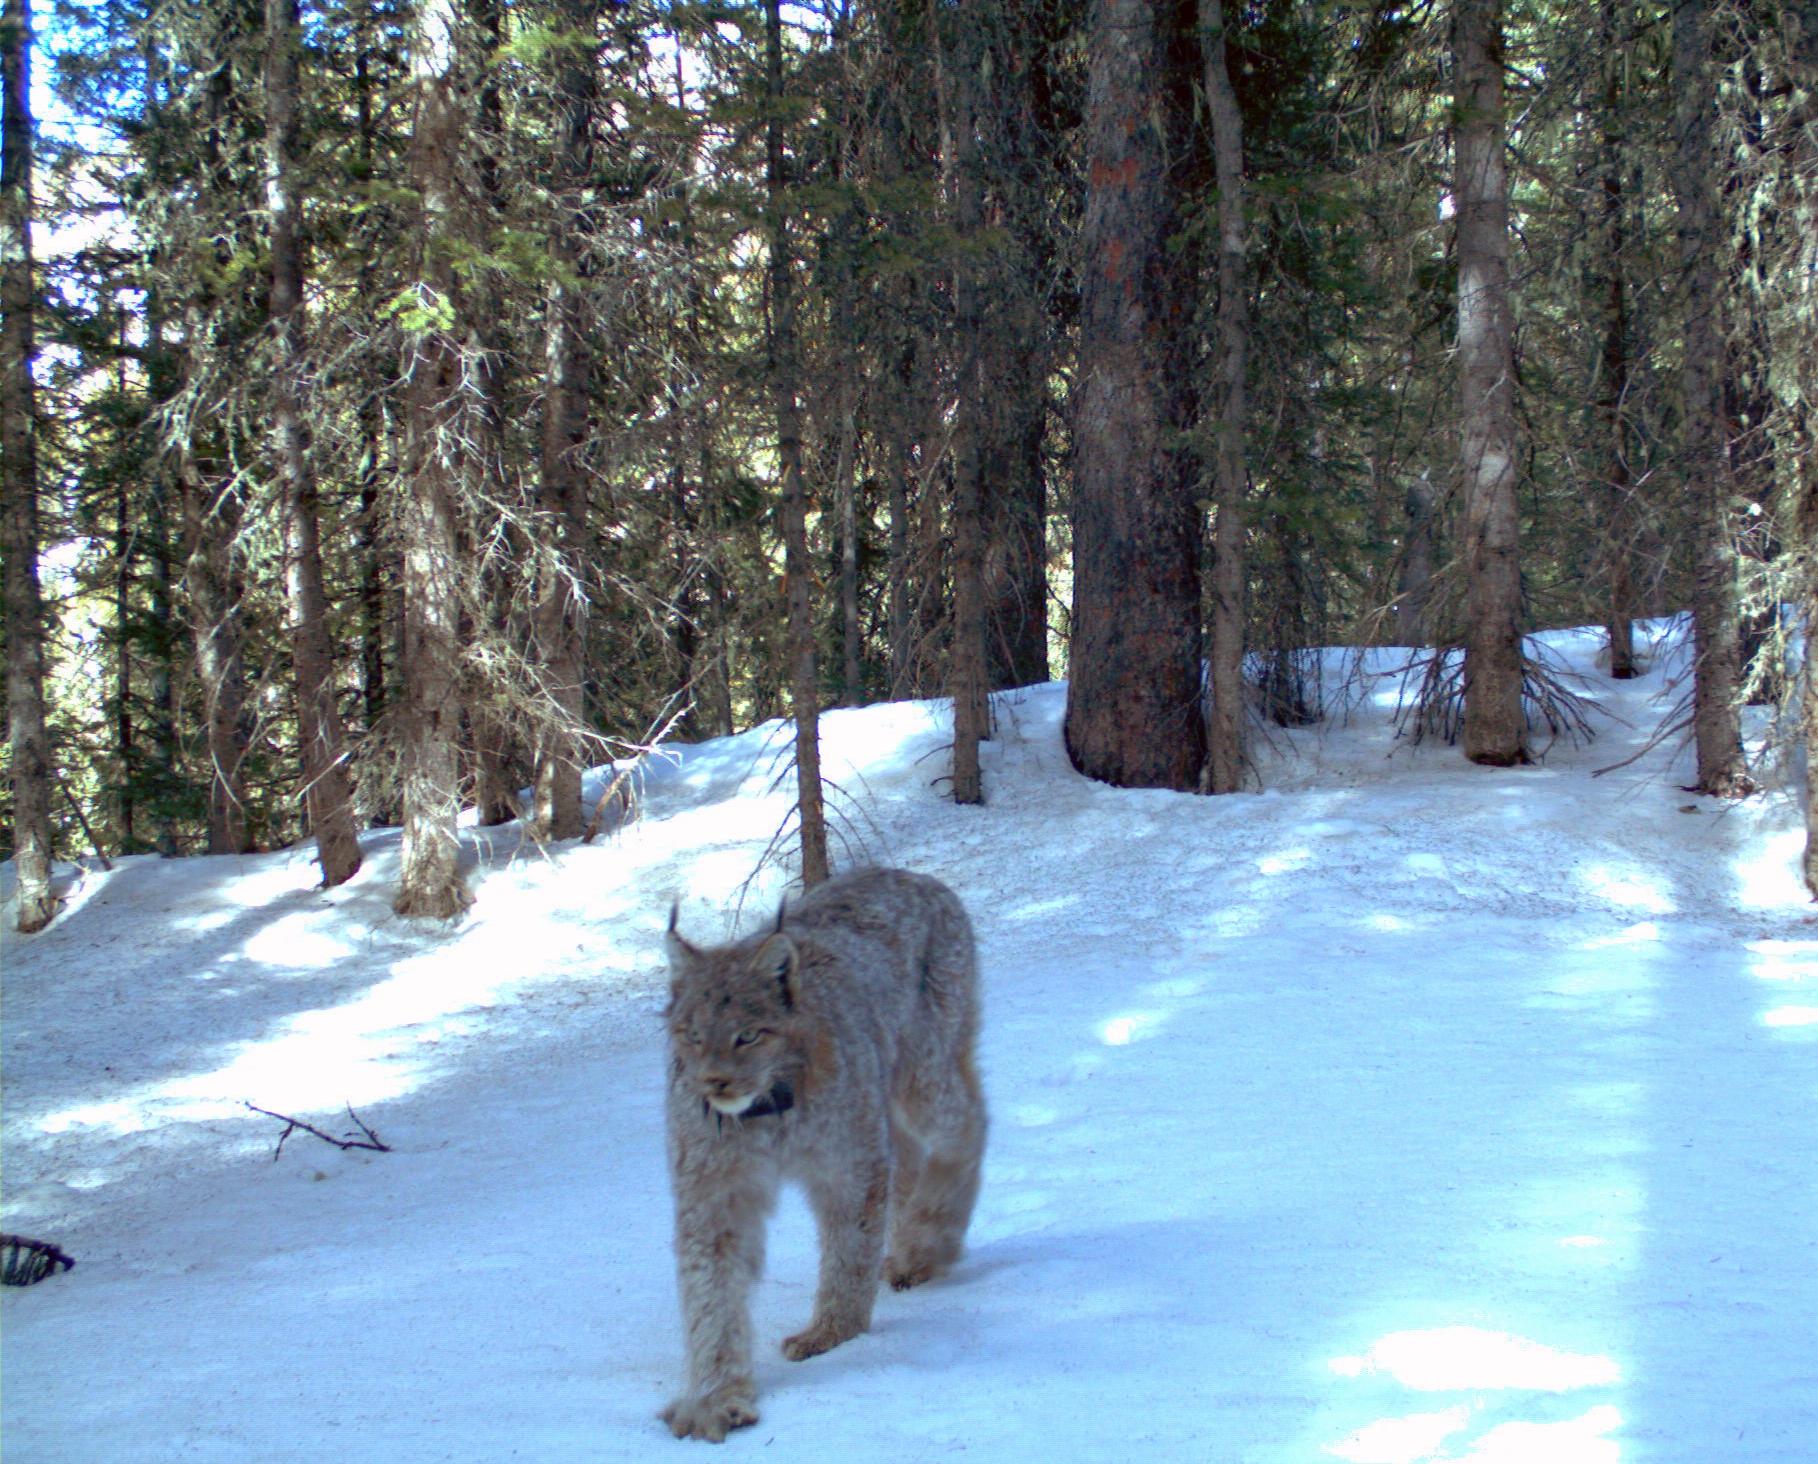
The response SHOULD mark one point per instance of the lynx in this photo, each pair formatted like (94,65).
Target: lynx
(835,1050)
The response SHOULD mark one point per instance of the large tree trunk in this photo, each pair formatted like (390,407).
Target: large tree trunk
(1716,608)
(960,60)
(488,491)
(24,605)
(783,371)
(430,882)
(1133,704)
(328,792)
(1615,367)
(1225,729)
(1805,150)
(378,617)
(567,428)
(1494,724)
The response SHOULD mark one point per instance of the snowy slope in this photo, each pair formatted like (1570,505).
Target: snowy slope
(1407,1111)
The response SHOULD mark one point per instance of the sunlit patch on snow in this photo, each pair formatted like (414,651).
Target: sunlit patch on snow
(1629,888)
(1791,1016)
(1388,924)
(210,920)
(1037,909)
(1582,1440)
(1582,1242)
(1285,861)
(1449,1359)
(1406,1440)
(1033,1115)
(1767,876)
(1784,960)
(1122,1031)
(1637,934)
(295,942)
(119,1117)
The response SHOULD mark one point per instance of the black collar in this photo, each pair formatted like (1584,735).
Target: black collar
(779,1099)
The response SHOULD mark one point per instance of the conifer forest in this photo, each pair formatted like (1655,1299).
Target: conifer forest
(411,404)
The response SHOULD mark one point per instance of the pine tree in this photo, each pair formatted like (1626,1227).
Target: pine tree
(25,715)
(1133,703)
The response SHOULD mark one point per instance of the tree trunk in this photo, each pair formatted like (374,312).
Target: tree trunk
(487,489)
(1414,583)
(959,61)
(158,532)
(783,372)
(212,508)
(1134,704)
(18,437)
(1615,365)
(1019,137)
(375,558)
(1716,608)
(567,429)
(1225,729)
(1494,725)
(1805,151)
(211,516)
(328,793)
(431,883)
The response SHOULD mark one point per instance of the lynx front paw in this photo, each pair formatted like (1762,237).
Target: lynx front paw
(715,1415)
(818,1337)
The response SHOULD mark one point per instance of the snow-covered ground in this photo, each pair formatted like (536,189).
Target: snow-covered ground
(1407,1111)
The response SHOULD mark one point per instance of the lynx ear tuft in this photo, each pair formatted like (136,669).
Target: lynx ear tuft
(678,948)
(777,960)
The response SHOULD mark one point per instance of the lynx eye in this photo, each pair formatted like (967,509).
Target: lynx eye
(749,1036)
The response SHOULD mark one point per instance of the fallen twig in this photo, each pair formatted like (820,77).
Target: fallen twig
(370,1141)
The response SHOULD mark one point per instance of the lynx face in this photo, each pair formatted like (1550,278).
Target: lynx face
(730,1013)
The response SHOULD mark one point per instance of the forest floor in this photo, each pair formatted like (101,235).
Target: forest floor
(1405,1111)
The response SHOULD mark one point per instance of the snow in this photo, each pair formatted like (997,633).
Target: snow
(1405,1111)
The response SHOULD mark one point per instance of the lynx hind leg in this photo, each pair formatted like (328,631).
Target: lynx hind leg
(945,1116)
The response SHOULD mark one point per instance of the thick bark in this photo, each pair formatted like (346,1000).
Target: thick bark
(567,427)
(377,615)
(485,483)
(1133,704)
(1494,724)
(1805,59)
(327,789)
(430,882)
(31,770)
(960,62)
(1614,367)
(1716,608)
(783,372)
(1225,719)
